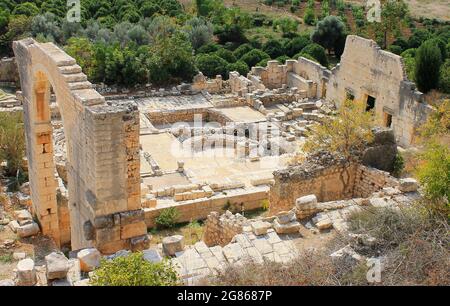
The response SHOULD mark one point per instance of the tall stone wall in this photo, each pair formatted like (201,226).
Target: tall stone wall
(102,151)
(367,70)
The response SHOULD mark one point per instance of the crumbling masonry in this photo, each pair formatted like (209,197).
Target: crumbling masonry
(102,153)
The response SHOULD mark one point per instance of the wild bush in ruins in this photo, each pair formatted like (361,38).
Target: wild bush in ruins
(433,169)
(413,240)
(168,217)
(12,142)
(345,135)
(134,270)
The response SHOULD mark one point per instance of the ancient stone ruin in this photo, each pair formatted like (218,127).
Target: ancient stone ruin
(102,168)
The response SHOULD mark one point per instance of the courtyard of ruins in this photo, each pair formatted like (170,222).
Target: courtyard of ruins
(103,167)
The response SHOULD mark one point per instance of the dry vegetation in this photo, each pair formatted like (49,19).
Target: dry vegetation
(412,243)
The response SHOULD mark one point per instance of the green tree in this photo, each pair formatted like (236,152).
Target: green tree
(444,77)
(296,45)
(254,56)
(27,8)
(199,31)
(134,270)
(393,14)
(212,65)
(286,25)
(317,52)
(240,67)
(273,48)
(428,65)
(309,17)
(345,135)
(82,50)
(242,50)
(226,55)
(433,170)
(329,33)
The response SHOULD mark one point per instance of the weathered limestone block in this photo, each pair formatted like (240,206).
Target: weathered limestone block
(89,259)
(152,255)
(286,217)
(13,225)
(28,230)
(133,230)
(57,265)
(287,228)
(23,215)
(408,185)
(173,244)
(260,227)
(26,273)
(306,202)
(7,283)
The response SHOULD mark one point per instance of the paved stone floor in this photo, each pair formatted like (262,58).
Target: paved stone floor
(243,114)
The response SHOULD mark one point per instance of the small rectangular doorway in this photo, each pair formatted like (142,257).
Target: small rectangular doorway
(370,103)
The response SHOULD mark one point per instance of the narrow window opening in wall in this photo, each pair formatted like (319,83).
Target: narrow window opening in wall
(49,211)
(387,120)
(370,103)
(235,133)
(247,133)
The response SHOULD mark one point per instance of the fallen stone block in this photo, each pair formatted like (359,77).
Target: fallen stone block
(23,215)
(14,225)
(408,185)
(152,255)
(286,217)
(173,244)
(260,227)
(26,273)
(7,283)
(28,230)
(89,259)
(57,265)
(19,255)
(306,202)
(288,228)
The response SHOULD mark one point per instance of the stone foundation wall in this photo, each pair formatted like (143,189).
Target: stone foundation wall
(326,184)
(220,229)
(370,180)
(200,209)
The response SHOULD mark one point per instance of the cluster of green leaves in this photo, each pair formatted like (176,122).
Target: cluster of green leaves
(12,142)
(134,270)
(168,217)
(434,169)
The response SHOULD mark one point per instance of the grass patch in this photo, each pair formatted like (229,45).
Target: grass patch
(6,258)
(192,232)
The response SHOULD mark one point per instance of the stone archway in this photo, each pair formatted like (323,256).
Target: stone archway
(102,153)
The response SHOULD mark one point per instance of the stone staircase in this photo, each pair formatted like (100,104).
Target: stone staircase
(199,260)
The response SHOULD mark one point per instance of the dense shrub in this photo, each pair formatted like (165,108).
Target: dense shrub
(242,50)
(226,55)
(444,77)
(273,48)
(240,67)
(208,48)
(317,52)
(134,270)
(254,57)
(12,142)
(168,217)
(428,65)
(295,45)
(212,65)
